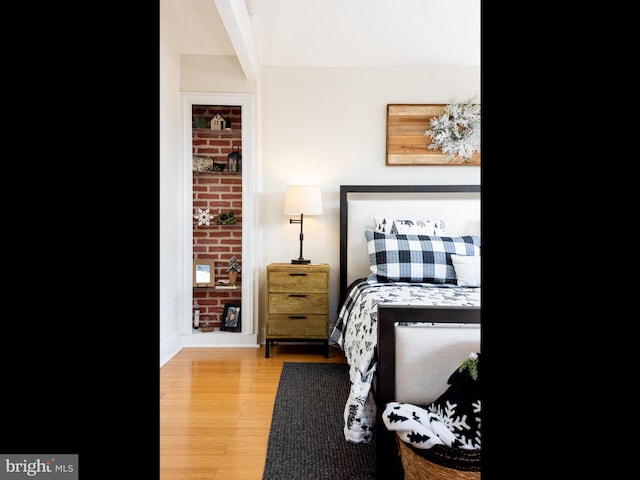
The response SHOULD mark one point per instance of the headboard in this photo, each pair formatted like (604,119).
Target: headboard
(458,204)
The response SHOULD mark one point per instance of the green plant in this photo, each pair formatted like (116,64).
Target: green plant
(227,218)
(233,265)
(470,364)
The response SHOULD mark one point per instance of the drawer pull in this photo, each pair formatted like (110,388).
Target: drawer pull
(297,274)
(296,295)
(298,316)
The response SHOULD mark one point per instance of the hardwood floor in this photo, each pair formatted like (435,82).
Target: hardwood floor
(216,406)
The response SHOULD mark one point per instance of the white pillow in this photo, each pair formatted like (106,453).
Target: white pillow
(467,268)
(409,226)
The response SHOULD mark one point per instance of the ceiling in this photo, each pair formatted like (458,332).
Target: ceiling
(328,33)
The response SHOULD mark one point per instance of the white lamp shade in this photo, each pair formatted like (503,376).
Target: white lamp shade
(303,199)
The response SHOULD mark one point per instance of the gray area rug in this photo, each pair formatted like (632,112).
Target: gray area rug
(306,440)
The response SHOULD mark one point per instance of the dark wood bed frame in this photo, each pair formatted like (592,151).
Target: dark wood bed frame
(387,461)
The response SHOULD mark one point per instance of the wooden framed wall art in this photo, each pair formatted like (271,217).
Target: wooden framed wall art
(406,142)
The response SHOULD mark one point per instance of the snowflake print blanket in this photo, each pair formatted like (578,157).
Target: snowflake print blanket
(424,429)
(452,420)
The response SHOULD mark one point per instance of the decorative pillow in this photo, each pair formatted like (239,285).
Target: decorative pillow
(467,270)
(416,258)
(416,227)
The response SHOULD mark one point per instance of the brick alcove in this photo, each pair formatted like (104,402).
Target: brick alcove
(218,192)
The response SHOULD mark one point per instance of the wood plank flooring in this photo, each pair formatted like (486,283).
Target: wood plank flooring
(216,406)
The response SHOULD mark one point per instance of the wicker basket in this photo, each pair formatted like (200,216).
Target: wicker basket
(439,463)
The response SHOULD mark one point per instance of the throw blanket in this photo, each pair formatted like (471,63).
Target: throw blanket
(453,419)
(424,428)
(355,332)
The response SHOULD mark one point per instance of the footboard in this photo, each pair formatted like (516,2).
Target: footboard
(449,319)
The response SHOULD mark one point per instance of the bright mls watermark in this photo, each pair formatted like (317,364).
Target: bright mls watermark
(50,467)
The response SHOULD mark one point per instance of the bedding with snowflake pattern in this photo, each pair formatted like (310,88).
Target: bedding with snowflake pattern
(453,419)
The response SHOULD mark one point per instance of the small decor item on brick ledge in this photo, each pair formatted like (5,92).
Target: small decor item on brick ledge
(200,122)
(233,270)
(203,217)
(227,218)
(201,163)
(207,327)
(196,318)
(218,122)
(231,318)
(235,159)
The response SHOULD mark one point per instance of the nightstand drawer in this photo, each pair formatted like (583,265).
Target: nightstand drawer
(298,303)
(303,326)
(298,281)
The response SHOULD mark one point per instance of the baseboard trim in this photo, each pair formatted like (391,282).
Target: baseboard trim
(220,339)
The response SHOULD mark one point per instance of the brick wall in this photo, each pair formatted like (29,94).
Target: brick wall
(219,192)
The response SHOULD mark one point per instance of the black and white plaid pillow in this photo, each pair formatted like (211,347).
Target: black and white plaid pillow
(416,258)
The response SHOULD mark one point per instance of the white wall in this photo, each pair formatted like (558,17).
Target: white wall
(171,201)
(199,73)
(321,126)
(327,127)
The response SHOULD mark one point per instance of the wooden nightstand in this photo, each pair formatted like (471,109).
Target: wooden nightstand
(297,303)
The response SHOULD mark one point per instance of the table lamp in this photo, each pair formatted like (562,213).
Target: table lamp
(302,200)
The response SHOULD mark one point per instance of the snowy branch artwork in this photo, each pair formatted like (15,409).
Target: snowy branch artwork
(457,131)
(434,134)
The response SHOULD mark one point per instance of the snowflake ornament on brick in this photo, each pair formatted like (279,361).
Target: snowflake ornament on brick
(203,217)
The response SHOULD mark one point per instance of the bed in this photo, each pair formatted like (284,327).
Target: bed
(405,319)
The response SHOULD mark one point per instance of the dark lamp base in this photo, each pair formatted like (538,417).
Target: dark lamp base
(300,260)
